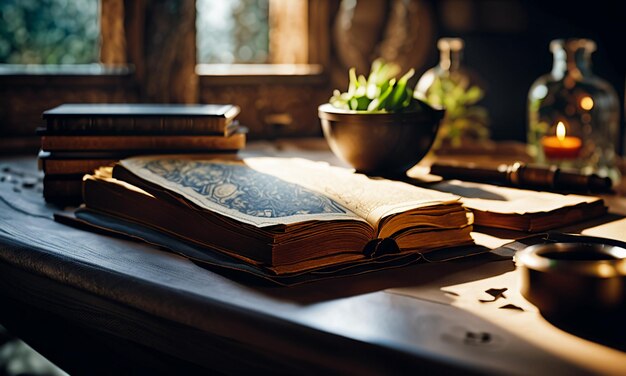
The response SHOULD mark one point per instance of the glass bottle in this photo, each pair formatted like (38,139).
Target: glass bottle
(452,86)
(573,115)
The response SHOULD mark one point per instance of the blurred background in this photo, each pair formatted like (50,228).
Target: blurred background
(55,51)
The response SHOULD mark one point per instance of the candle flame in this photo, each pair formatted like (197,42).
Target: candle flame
(560,131)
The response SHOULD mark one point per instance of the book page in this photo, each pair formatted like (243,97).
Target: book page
(370,198)
(612,230)
(503,200)
(266,191)
(231,188)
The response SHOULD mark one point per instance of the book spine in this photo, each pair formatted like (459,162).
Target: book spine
(157,143)
(73,166)
(138,125)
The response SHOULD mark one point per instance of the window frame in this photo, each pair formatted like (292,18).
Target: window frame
(119,62)
(123,70)
(314,71)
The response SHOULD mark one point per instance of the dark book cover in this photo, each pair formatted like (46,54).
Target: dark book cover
(129,118)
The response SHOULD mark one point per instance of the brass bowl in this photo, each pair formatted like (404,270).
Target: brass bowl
(565,279)
(384,144)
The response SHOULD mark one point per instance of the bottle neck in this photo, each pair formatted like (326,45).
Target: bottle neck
(575,63)
(449,60)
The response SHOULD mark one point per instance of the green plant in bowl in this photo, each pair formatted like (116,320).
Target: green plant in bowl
(377,126)
(379,92)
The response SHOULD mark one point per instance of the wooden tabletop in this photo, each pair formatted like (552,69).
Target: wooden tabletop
(97,304)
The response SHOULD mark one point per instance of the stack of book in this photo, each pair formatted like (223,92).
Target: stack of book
(79,138)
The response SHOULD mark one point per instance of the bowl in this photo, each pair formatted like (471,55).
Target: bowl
(565,279)
(380,143)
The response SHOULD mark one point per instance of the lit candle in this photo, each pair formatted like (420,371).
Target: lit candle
(561,146)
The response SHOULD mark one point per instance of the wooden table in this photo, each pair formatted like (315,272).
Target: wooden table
(96,304)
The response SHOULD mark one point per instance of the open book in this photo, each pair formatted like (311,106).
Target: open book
(521,209)
(282,215)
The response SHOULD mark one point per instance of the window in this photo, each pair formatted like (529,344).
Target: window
(49,32)
(232,31)
(267,32)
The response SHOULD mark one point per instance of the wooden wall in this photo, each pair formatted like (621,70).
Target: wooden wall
(151,57)
(155,44)
(23,98)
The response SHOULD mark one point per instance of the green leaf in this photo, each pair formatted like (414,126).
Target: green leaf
(354,83)
(473,95)
(399,92)
(375,71)
(373,90)
(359,103)
(379,103)
(380,91)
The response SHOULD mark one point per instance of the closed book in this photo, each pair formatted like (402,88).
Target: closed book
(63,189)
(281,216)
(153,143)
(72,166)
(125,118)
(229,129)
(86,162)
(113,154)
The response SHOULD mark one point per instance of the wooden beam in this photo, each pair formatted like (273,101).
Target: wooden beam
(170,52)
(113,38)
